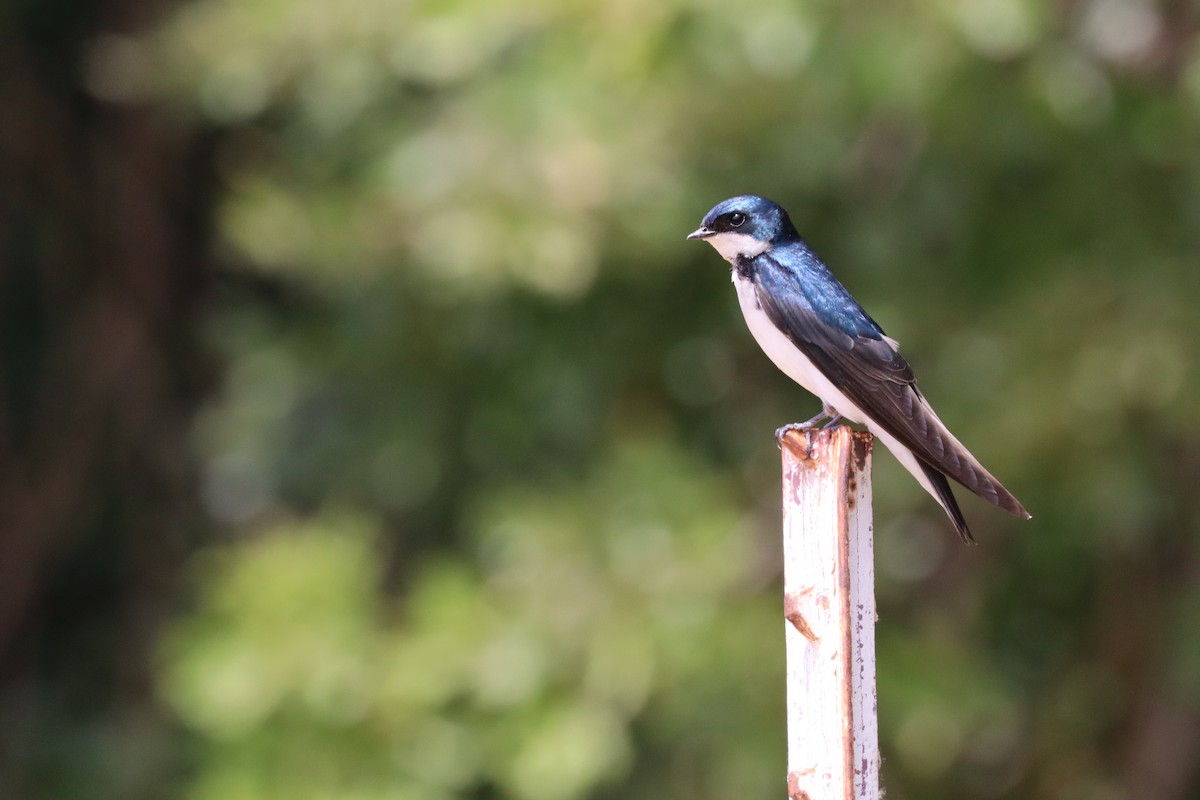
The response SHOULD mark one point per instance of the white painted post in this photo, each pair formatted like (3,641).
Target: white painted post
(829,603)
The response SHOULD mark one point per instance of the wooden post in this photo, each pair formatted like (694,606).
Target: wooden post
(829,603)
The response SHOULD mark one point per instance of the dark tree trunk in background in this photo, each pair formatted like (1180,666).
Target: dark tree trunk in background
(104,231)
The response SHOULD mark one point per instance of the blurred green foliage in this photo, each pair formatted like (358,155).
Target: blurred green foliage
(509,359)
(527,662)
(491,458)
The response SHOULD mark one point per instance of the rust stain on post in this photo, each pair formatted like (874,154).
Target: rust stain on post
(793,788)
(791,612)
(845,510)
(863,442)
(801,448)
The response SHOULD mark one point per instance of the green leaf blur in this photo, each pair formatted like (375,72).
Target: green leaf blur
(487,202)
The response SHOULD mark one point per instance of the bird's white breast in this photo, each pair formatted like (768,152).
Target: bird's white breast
(787,356)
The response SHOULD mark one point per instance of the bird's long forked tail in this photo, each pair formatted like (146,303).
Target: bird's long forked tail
(943,458)
(946,497)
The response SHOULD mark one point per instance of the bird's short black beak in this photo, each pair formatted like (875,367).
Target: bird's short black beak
(701,233)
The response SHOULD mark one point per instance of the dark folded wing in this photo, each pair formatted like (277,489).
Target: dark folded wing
(849,349)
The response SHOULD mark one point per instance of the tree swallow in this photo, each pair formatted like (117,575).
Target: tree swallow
(817,333)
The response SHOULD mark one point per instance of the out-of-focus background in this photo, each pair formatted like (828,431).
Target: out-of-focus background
(369,430)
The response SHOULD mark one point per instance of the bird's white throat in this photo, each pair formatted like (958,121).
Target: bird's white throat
(732,245)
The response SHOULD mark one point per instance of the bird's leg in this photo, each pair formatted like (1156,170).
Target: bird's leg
(832,413)
(800,426)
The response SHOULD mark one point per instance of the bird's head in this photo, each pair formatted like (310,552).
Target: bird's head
(745,227)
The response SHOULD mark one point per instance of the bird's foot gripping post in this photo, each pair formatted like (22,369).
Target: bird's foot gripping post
(827,413)
(829,603)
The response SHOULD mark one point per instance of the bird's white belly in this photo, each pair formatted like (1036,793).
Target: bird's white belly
(787,356)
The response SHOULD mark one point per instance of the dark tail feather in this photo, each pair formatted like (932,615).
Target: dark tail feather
(947,497)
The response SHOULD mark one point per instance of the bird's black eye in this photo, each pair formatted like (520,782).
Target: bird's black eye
(737,219)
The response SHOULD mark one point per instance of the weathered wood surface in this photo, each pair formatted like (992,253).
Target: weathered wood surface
(829,604)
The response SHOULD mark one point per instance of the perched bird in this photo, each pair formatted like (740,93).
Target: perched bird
(817,333)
